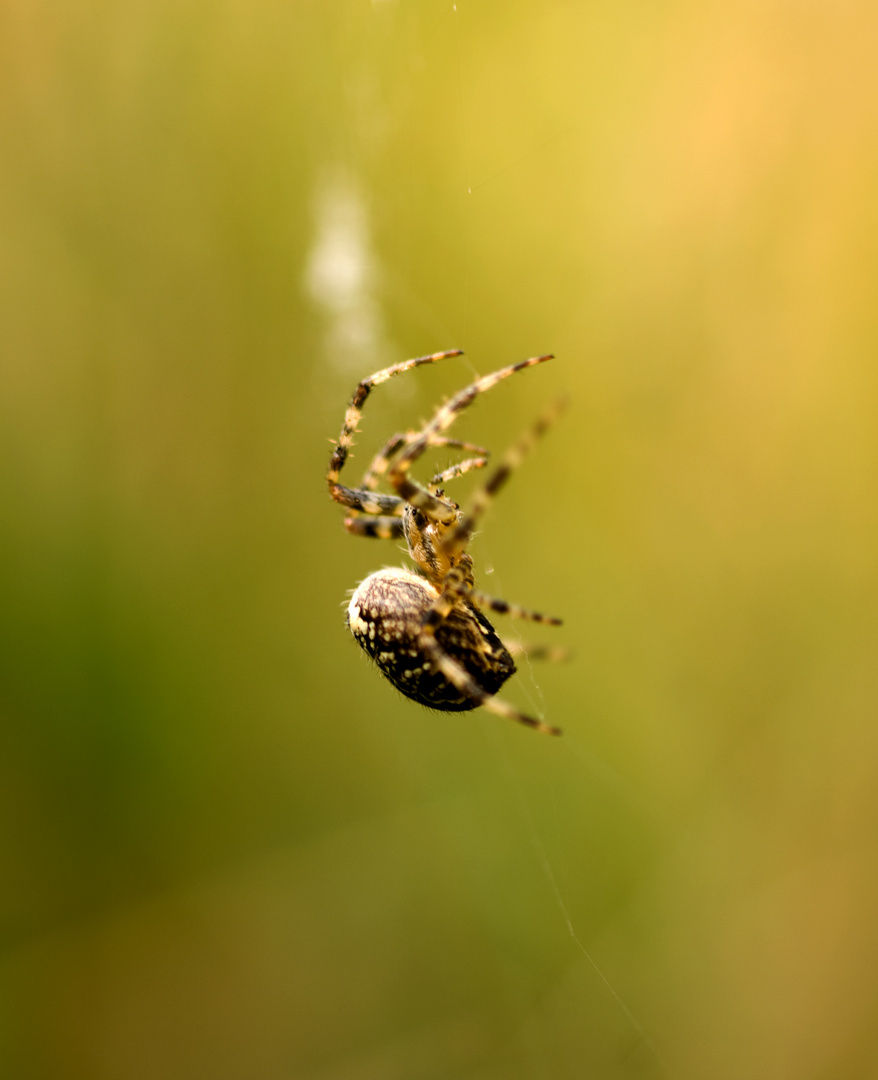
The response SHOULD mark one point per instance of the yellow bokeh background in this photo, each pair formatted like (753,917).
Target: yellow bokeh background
(229,848)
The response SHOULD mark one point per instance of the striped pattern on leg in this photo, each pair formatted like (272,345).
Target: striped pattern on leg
(383,527)
(554,654)
(381,462)
(414,493)
(502,607)
(355,409)
(455,674)
(459,536)
(461,468)
(359,501)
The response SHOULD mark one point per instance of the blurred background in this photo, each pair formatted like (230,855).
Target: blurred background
(229,848)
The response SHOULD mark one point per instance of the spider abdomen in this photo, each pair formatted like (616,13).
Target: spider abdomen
(386,616)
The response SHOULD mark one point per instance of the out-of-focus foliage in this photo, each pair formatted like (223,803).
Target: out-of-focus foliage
(228,848)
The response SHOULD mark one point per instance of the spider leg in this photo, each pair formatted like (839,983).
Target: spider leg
(555,654)
(414,493)
(459,536)
(348,496)
(467,685)
(453,471)
(368,502)
(455,588)
(373,475)
(383,527)
(370,481)
(503,608)
(382,459)
(357,499)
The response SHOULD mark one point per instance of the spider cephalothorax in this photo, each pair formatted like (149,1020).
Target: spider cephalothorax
(426,630)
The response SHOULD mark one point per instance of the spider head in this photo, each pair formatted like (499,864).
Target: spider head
(425,538)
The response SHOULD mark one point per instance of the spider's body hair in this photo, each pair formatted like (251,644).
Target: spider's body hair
(386,615)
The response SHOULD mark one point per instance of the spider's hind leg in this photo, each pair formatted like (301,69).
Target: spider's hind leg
(553,654)
(453,592)
(455,674)
(502,607)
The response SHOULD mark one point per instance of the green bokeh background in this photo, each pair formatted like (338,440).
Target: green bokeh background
(229,849)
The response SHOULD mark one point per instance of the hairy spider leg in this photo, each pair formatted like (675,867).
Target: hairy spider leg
(453,471)
(365,501)
(380,463)
(387,529)
(390,526)
(554,654)
(502,607)
(459,535)
(461,679)
(383,527)
(413,493)
(454,588)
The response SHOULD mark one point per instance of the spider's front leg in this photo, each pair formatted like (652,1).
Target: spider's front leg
(360,501)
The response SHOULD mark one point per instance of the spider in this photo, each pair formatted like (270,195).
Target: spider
(426,630)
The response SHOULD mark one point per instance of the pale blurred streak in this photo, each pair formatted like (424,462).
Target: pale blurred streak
(341,275)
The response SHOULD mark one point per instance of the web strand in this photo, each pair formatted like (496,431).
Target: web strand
(542,859)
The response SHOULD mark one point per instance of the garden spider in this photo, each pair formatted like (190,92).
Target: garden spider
(426,630)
